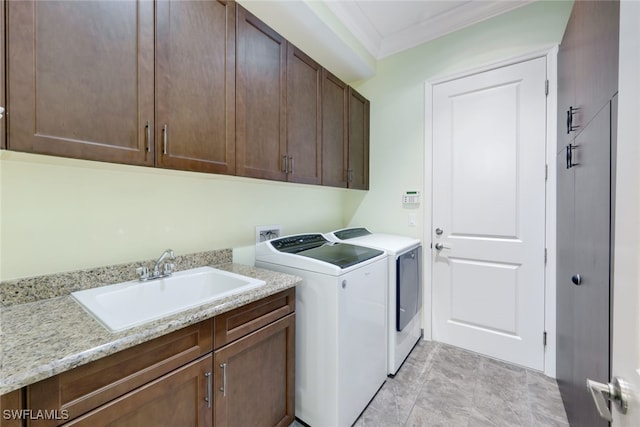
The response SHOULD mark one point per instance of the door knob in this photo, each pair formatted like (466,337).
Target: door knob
(440,246)
(617,391)
(576,279)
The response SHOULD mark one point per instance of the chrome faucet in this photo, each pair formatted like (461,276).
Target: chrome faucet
(167,267)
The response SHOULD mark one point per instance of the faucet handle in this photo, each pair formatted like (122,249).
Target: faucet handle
(168,268)
(142,272)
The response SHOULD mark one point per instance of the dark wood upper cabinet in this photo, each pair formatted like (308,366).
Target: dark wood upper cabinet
(334,131)
(261,80)
(586,57)
(191,85)
(80,79)
(304,118)
(596,58)
(195,95)
(345,135)
(358,171)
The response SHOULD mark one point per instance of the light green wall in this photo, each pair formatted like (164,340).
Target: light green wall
(397,95)
(62,214)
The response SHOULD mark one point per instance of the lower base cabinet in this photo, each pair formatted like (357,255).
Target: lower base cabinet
(176,399)
(261,362)
(236,369)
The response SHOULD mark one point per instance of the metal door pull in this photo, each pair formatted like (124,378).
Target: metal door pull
(440,246)
(616,391)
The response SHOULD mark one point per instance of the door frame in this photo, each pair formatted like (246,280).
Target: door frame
(551,54)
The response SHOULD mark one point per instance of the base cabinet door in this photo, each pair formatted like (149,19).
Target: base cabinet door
(180,398)
(254,378)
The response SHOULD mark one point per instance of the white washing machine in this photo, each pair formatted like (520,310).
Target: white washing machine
(341,324)
(405,288)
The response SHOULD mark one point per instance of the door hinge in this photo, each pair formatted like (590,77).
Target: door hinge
(545,255)
(546,87)
(544,338)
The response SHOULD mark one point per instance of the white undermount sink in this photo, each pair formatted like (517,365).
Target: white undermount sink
(128,304)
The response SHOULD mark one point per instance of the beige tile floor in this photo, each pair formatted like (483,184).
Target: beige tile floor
(441,385)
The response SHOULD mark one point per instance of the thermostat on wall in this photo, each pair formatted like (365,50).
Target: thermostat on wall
(411,198)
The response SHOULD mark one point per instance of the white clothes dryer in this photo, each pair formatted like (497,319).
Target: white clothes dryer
(404,288)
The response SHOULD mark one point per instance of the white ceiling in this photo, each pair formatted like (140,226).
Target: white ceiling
(385,27)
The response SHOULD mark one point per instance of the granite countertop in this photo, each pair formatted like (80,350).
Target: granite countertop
(43,338)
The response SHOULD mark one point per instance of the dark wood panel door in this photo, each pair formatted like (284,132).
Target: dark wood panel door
(260,99)
(565,268)
(254,378)
(80,79)
(195,99)
(334,131)
(358,176)
(304,117)
(596,58)
(592,263)
(176,399)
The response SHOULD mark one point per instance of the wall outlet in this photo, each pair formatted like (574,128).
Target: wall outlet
(268,232)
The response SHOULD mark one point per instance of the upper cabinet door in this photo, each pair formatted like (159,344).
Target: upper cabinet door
(334,131)
(358,171)
(304,117)
(596,57)
(80,79)
(260,99)
(195,98)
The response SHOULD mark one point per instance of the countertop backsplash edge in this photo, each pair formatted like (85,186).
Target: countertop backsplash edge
(37,288)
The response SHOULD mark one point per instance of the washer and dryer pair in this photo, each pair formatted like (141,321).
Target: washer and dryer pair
(357,315)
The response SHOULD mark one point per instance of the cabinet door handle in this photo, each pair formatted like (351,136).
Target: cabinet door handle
(164,139)
(291,165)
(285,164)
(570,112)
(208,396)
(223,389)
(148,132)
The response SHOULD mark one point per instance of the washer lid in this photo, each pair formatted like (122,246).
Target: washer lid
(350,233)
(341,254)
(317,247)
(392,243)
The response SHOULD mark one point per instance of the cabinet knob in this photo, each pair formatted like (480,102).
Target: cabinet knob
(576,279)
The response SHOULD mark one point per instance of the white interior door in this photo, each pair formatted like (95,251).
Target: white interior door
(489,212)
